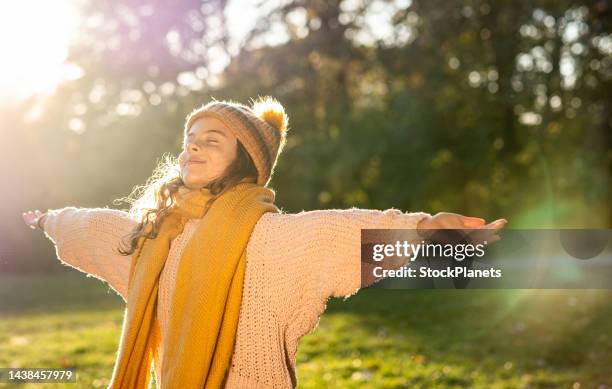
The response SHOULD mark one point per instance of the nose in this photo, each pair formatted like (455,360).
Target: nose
(192,147)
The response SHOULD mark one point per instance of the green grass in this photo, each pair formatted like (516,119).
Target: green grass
(376,339)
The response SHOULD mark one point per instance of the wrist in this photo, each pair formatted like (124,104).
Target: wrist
(422,229)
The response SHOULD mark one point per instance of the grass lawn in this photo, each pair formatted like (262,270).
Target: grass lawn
(375,339)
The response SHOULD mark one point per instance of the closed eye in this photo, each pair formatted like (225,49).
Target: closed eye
(210,141)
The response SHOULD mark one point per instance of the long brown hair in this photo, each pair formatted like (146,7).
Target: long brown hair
(151,203)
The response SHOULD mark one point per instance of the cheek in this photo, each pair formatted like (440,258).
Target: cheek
(221,157)
(231,153)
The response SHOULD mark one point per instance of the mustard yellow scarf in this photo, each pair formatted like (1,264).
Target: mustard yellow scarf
(204,312)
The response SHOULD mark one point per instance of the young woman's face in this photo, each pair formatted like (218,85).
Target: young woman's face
(209,148)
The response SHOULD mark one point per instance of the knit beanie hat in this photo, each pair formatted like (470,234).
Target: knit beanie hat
(261,128)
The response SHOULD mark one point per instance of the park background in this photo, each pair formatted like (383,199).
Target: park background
(496,109)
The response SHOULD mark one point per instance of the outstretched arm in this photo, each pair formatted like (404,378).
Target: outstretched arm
(88,240)
(340,239)
(313,255)
(340,245)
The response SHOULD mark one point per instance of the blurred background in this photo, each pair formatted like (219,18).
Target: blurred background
(490,109)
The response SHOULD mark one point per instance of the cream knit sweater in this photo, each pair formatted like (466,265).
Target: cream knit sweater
(295,262)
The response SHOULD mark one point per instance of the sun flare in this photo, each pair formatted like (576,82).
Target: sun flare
(34,40)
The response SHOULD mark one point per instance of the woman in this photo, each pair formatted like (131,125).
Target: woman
(220,284)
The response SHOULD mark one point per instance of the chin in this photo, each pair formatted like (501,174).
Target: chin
(195,184)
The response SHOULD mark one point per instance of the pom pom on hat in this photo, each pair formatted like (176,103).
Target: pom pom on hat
(268,109)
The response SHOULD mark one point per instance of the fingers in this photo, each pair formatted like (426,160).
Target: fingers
(486,233)
(495,227)
(30,217)
(500,221)
(476,222)
(498,224)
(455,228)
(472,221)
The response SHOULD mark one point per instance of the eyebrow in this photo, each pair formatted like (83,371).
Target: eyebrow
(190,134)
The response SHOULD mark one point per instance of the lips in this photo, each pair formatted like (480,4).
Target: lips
(194,161)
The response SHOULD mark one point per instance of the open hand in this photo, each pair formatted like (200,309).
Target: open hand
(473,228)
(31,218)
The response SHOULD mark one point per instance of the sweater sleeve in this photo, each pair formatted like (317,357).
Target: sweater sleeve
(88,239)
(339,246)
(321,251)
